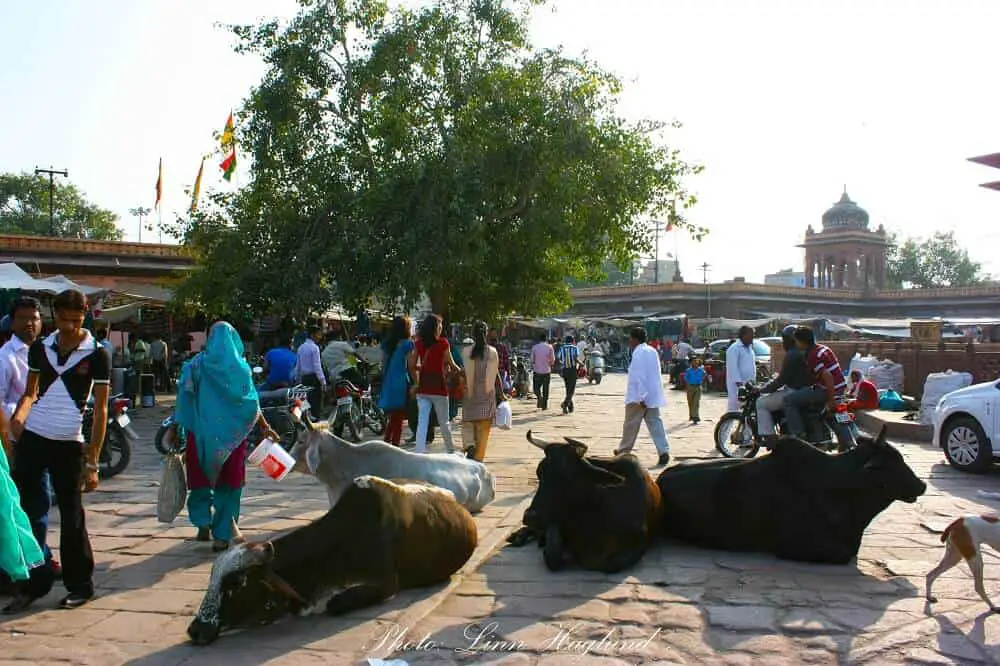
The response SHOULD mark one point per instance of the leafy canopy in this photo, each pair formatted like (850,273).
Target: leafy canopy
(24,209)
(929,263)
(432,151)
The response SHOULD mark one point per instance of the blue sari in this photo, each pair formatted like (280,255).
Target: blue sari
(217,400)
(19,551)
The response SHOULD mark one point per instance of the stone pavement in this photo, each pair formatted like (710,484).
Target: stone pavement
(680,605)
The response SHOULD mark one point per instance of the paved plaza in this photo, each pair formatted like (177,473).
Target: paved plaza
(680,605)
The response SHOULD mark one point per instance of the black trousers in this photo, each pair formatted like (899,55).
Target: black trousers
(569,376)
(160,375)
(542,381)
(64,461)
(317,406)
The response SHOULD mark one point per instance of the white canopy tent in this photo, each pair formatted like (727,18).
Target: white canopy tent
(13,277)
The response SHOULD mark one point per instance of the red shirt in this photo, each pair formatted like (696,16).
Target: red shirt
(865,396)
(432,362)
(820,358)
(503,352)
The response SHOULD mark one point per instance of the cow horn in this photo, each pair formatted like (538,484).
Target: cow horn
(539,444)
(883,436)
(237,535)
(307,422)
(576,442)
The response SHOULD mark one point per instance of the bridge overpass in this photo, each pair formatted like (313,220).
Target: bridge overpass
(742,300)
(146,268)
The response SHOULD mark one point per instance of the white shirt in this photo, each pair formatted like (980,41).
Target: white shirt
(682,350)
(308,361)
(337,356)
(645,383)
(13,374)
(741,363)
(583,346)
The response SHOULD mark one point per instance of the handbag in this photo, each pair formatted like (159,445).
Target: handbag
(173,489)
(505,416)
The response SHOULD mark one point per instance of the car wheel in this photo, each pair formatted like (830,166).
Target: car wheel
(965,445)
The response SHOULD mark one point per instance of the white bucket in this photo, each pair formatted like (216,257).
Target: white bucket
(272,459)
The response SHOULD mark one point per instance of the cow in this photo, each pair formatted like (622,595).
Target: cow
(798,503)
(381,537)
(336,463)
(596,513)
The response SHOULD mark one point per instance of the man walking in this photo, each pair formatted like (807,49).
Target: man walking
(159,356)
(26,324)
(543,357)
(741,367)
(569,358)
(64,369)
(310,370)
(643,398)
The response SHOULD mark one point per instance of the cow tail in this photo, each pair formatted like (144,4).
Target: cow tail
(951,528)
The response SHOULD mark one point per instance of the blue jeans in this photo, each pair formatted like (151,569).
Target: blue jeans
(439,403)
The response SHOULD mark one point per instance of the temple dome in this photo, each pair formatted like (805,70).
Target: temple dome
(845,214)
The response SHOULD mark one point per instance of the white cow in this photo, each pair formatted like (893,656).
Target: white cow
(337,463)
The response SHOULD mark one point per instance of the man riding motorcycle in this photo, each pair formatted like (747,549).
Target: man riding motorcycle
(829,382)
(793,375)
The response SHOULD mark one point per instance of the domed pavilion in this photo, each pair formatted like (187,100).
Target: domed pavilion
(845,254)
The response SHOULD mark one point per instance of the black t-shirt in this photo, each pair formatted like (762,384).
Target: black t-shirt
(64,386)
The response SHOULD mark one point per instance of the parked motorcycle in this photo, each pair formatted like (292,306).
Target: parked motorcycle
(520,376)
(276,406)
(595,366)
(356,408)
(736,432)
(116,453)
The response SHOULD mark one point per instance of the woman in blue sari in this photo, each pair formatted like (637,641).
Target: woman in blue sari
(19,551)
(217,406)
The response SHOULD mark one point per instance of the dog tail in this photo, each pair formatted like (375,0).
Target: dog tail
(951,528)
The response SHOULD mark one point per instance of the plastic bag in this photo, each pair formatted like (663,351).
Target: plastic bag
(505,417)
(173,489)
(892,402)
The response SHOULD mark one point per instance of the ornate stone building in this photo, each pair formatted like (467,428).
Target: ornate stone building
(845,254)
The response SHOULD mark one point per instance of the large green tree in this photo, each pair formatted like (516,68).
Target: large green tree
(432,151)
(24,209)
(938,261)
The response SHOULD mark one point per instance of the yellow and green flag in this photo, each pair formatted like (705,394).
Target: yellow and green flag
(197,187)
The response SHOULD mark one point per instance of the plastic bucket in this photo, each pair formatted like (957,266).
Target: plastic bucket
(272,459)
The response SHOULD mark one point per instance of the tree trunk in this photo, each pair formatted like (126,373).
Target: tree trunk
(440,302)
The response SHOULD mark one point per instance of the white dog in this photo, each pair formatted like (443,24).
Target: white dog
(964,539)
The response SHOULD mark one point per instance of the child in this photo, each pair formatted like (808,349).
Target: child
(693,378)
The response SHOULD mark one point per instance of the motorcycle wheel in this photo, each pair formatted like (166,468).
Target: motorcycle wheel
(376,421)
(115,455)
(159,442)
(724,431)
(355,423)
(597,379)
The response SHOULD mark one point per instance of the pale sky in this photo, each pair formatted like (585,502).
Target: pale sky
(783,102)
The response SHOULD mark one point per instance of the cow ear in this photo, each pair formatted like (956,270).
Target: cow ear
(312,456)
(883,436)
(578,446)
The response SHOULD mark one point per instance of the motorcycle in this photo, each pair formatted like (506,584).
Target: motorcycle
(276,407)
(595,366)
(677,368)
(116,453)
(357,409)
(736,432)
(520,377)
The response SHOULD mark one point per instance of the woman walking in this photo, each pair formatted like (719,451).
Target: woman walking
(479,406)
(396,378)
(429,362)
(19,550)
(217,406)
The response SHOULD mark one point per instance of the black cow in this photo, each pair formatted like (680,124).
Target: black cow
(597,513)
(381,537)
(797,503)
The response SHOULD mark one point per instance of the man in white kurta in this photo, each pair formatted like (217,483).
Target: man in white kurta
(741,367)
(644,397)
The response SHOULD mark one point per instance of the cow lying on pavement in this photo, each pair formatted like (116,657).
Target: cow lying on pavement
(797,503)
(336,463)
(380,538)
(597,513)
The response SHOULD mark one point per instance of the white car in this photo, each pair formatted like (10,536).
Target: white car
(967,426)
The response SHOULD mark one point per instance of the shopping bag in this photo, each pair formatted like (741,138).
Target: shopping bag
(505,417)
(173,489)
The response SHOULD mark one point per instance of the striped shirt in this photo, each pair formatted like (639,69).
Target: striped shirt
(821,358)
(568,356)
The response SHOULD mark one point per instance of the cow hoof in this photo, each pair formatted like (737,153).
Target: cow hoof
(201,632)
(995,609)
(931,599)
(520,538)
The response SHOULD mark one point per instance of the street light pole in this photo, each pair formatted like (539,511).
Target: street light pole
(52,173)
(708,289)
(139,212)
